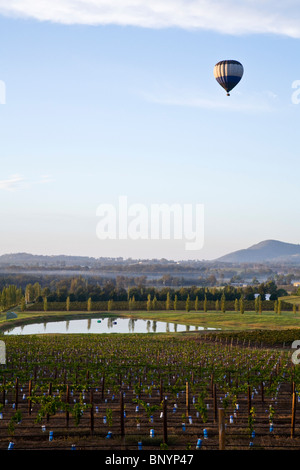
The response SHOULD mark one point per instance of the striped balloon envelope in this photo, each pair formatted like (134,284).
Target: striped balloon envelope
(228,73)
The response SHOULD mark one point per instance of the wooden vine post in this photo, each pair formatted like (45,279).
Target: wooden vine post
(3,392)
(215,404)
(29,394)
(122,420)
(187,402)
(92,412)
(161,391)
(49,394)
(16,392)
(67,407)
(221,429)
(293,421)
(103,385)
(249,399)
(165,423)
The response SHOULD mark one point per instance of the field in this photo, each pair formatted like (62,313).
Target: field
(230,320)
(84,387)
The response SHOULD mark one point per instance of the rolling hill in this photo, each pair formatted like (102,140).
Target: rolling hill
(272,251)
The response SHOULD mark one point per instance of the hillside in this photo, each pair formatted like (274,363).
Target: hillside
(266,251)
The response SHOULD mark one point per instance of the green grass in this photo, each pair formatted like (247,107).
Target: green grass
(291,299)
(233,321)
(227,320)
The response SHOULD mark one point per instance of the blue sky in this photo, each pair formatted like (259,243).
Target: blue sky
(104,101)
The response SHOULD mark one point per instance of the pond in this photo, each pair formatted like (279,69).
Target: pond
(102,325)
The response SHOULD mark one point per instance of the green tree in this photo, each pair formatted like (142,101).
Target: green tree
(187,304)
(236,305)
(29,293)
(175,302)
(279,307)
(217,305)
(110,305)
(89,304)
(154,303)
(45,304)
(260,305)
(196,304)
(149,303)
(68,304)
(242,307)
(168,301)
(256,304)
(223,308)
(205,304)
(23,304)
(37,290)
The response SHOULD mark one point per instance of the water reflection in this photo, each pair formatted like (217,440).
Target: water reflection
(103,325)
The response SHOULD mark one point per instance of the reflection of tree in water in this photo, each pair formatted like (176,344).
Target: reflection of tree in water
(154,326)
(148,326)
(45,325)
(187,328)
(175,327)
(89,323)
(109,322)
(67,325)
(167,327)
(131,325)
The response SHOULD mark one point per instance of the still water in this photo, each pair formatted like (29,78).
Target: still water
(102,325)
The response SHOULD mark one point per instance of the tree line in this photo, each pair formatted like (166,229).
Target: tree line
(79,289)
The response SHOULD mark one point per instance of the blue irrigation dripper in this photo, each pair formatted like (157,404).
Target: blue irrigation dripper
(199,444)
(140,445)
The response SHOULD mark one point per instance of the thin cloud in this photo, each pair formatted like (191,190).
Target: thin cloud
(18,182)
(12,183)
(256,102)
(224,16)
(44,179)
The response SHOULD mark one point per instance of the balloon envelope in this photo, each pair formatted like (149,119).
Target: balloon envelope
(228,73)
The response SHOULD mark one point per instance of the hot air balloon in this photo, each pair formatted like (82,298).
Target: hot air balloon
(228,73)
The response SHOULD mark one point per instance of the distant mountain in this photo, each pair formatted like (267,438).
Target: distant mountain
(266,251)
(27,259)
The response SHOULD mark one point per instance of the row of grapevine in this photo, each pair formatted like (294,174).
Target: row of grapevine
(94,391)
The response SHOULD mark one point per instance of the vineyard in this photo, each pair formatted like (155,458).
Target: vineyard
(135,392)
